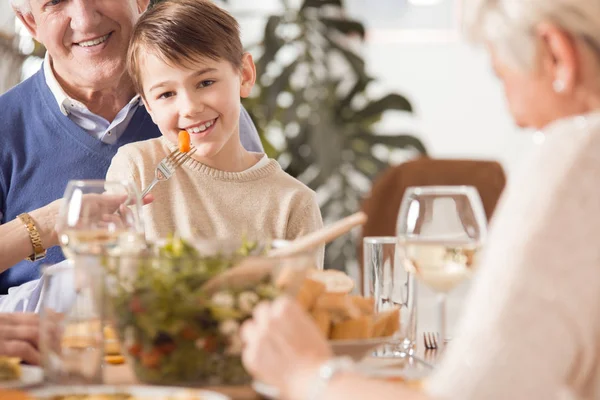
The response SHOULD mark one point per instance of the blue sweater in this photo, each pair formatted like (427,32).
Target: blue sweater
(41,150)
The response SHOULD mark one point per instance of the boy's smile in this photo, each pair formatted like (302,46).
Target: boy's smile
(201,129)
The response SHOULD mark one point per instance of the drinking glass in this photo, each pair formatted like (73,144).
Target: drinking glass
(94,214)
(387,281)
(71,335)
(97,217)
(440,229)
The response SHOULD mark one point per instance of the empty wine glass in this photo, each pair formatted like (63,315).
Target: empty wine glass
(440,229)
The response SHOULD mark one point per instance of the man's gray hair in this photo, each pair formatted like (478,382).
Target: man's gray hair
(21,6)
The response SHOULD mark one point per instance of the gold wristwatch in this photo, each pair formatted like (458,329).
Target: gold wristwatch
(36,241)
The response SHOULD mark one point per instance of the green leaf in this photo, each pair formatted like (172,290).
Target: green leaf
(280,84)
(395,141)
(271,42)
(360,86)
(355,61)
(376,108)
(320,3)
(318,180)
(347,27)
(370,165)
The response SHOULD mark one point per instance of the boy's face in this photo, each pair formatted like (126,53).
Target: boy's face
(203,100)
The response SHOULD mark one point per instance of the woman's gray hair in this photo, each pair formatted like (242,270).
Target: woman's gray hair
(21,6)
(509,25)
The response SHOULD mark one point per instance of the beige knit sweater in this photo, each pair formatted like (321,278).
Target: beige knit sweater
(202,202)
(531,327)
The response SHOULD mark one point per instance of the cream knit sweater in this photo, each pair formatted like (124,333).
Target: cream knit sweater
(531,327)
(202,202)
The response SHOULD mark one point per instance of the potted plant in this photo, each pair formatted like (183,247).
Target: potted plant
(311,108)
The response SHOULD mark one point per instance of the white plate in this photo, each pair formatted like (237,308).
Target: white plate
(410,374)
(30,376)
(145,392)
(357,349)
(266,391)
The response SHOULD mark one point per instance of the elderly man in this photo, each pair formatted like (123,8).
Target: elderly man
(68,120)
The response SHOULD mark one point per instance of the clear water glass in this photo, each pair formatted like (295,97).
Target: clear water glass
(71,315)
(387,281)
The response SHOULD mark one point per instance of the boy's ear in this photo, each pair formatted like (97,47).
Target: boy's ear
(248,75)
(148,108)
(142,5)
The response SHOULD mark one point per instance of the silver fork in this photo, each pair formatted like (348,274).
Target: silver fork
(167,166)
(431,340)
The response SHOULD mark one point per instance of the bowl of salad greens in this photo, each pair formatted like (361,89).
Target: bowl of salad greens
(179,328)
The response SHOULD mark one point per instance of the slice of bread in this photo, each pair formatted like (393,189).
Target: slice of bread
(366,305)
(341,316)
(338,305)
(334,281)
(14,395)
(387,323)
(355,328)
(323,320)
(309,292)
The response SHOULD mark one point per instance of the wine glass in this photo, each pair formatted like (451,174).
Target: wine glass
(94,214)
(440,230)
(96,219)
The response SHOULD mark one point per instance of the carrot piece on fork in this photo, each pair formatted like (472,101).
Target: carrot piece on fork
(184,141)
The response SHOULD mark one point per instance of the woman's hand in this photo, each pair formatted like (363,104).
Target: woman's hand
(284,347)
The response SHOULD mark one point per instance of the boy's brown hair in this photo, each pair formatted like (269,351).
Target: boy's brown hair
(183,32)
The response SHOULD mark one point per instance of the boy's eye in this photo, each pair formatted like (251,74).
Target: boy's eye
(205,83)
(166,95)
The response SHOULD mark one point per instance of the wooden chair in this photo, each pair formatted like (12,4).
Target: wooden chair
(383,202)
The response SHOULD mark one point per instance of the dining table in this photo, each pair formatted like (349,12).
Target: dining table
(412,370)
(123,374)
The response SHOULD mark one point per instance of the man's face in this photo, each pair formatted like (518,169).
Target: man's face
(87,39)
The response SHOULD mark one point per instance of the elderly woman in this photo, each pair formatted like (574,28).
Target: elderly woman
(531,328)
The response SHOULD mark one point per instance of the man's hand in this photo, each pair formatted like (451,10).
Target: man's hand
(19,336)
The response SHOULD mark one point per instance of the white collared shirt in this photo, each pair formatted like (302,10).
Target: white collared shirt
(95,125)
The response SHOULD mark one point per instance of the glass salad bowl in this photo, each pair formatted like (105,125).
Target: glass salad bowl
(178,317)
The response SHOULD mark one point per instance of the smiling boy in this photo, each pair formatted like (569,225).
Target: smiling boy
(187,62)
